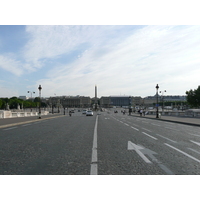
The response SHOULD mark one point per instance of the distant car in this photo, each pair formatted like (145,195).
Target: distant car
(89,113)
(72,111)
(84,111)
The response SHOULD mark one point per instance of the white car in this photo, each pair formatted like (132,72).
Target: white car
(89,113)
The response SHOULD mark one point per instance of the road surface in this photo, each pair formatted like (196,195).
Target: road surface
(107,143)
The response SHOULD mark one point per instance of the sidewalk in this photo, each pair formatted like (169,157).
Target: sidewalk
(181,120)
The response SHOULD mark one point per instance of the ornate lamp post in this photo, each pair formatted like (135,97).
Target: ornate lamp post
(157,87)
(40,88)
(163,99)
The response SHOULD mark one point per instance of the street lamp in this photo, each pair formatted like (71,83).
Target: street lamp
(40,88)
(163,99)
(157,87)
(31,99)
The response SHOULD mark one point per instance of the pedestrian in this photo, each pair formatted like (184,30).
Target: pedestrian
(141,111)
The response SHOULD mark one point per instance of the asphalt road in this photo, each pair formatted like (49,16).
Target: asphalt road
(104,144)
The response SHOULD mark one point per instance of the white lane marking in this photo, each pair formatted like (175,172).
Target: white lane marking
(134,128)
(149,136)
(126,124)
(194,134)
(146,130)
(137,148)
(195,142)
(183,152)
(194,150)
(94,166)
(9,128)
(166,138)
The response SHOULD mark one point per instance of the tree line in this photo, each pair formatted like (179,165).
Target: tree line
(14,102)
(193,97)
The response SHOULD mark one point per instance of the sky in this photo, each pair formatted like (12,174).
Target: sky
(119,59)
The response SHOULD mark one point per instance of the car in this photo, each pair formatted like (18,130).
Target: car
(89,113)
(84,111)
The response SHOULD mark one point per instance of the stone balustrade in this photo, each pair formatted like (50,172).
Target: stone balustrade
(10,114)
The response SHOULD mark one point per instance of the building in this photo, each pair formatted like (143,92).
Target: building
(151,100)
(70,101)
(120,101)
(105,102)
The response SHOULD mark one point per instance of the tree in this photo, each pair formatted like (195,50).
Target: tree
(193,97)
(1,103)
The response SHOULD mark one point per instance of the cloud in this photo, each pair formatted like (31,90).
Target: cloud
(12,65)
(129,60)
(151,55)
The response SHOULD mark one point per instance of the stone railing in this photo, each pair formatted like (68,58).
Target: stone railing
(187,113)
(10,114)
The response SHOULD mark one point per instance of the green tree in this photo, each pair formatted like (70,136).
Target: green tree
(193,97)
(1,103)
(14,102)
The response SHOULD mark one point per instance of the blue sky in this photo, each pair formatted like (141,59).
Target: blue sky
(120,60)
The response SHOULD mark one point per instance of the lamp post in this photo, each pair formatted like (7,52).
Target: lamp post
(31,99)
(40,88)
(157,87)
(163,99)
(130,104)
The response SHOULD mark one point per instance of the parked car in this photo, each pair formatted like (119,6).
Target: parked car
(89,113)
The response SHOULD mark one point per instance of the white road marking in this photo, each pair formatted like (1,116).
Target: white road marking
(126,124)
(94,166)
(149,136)
(146,130)
(9,128)
(195,142)
(167,138)
(183,152)
(134,128)
(137,148)
(194,150)
(194,134)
